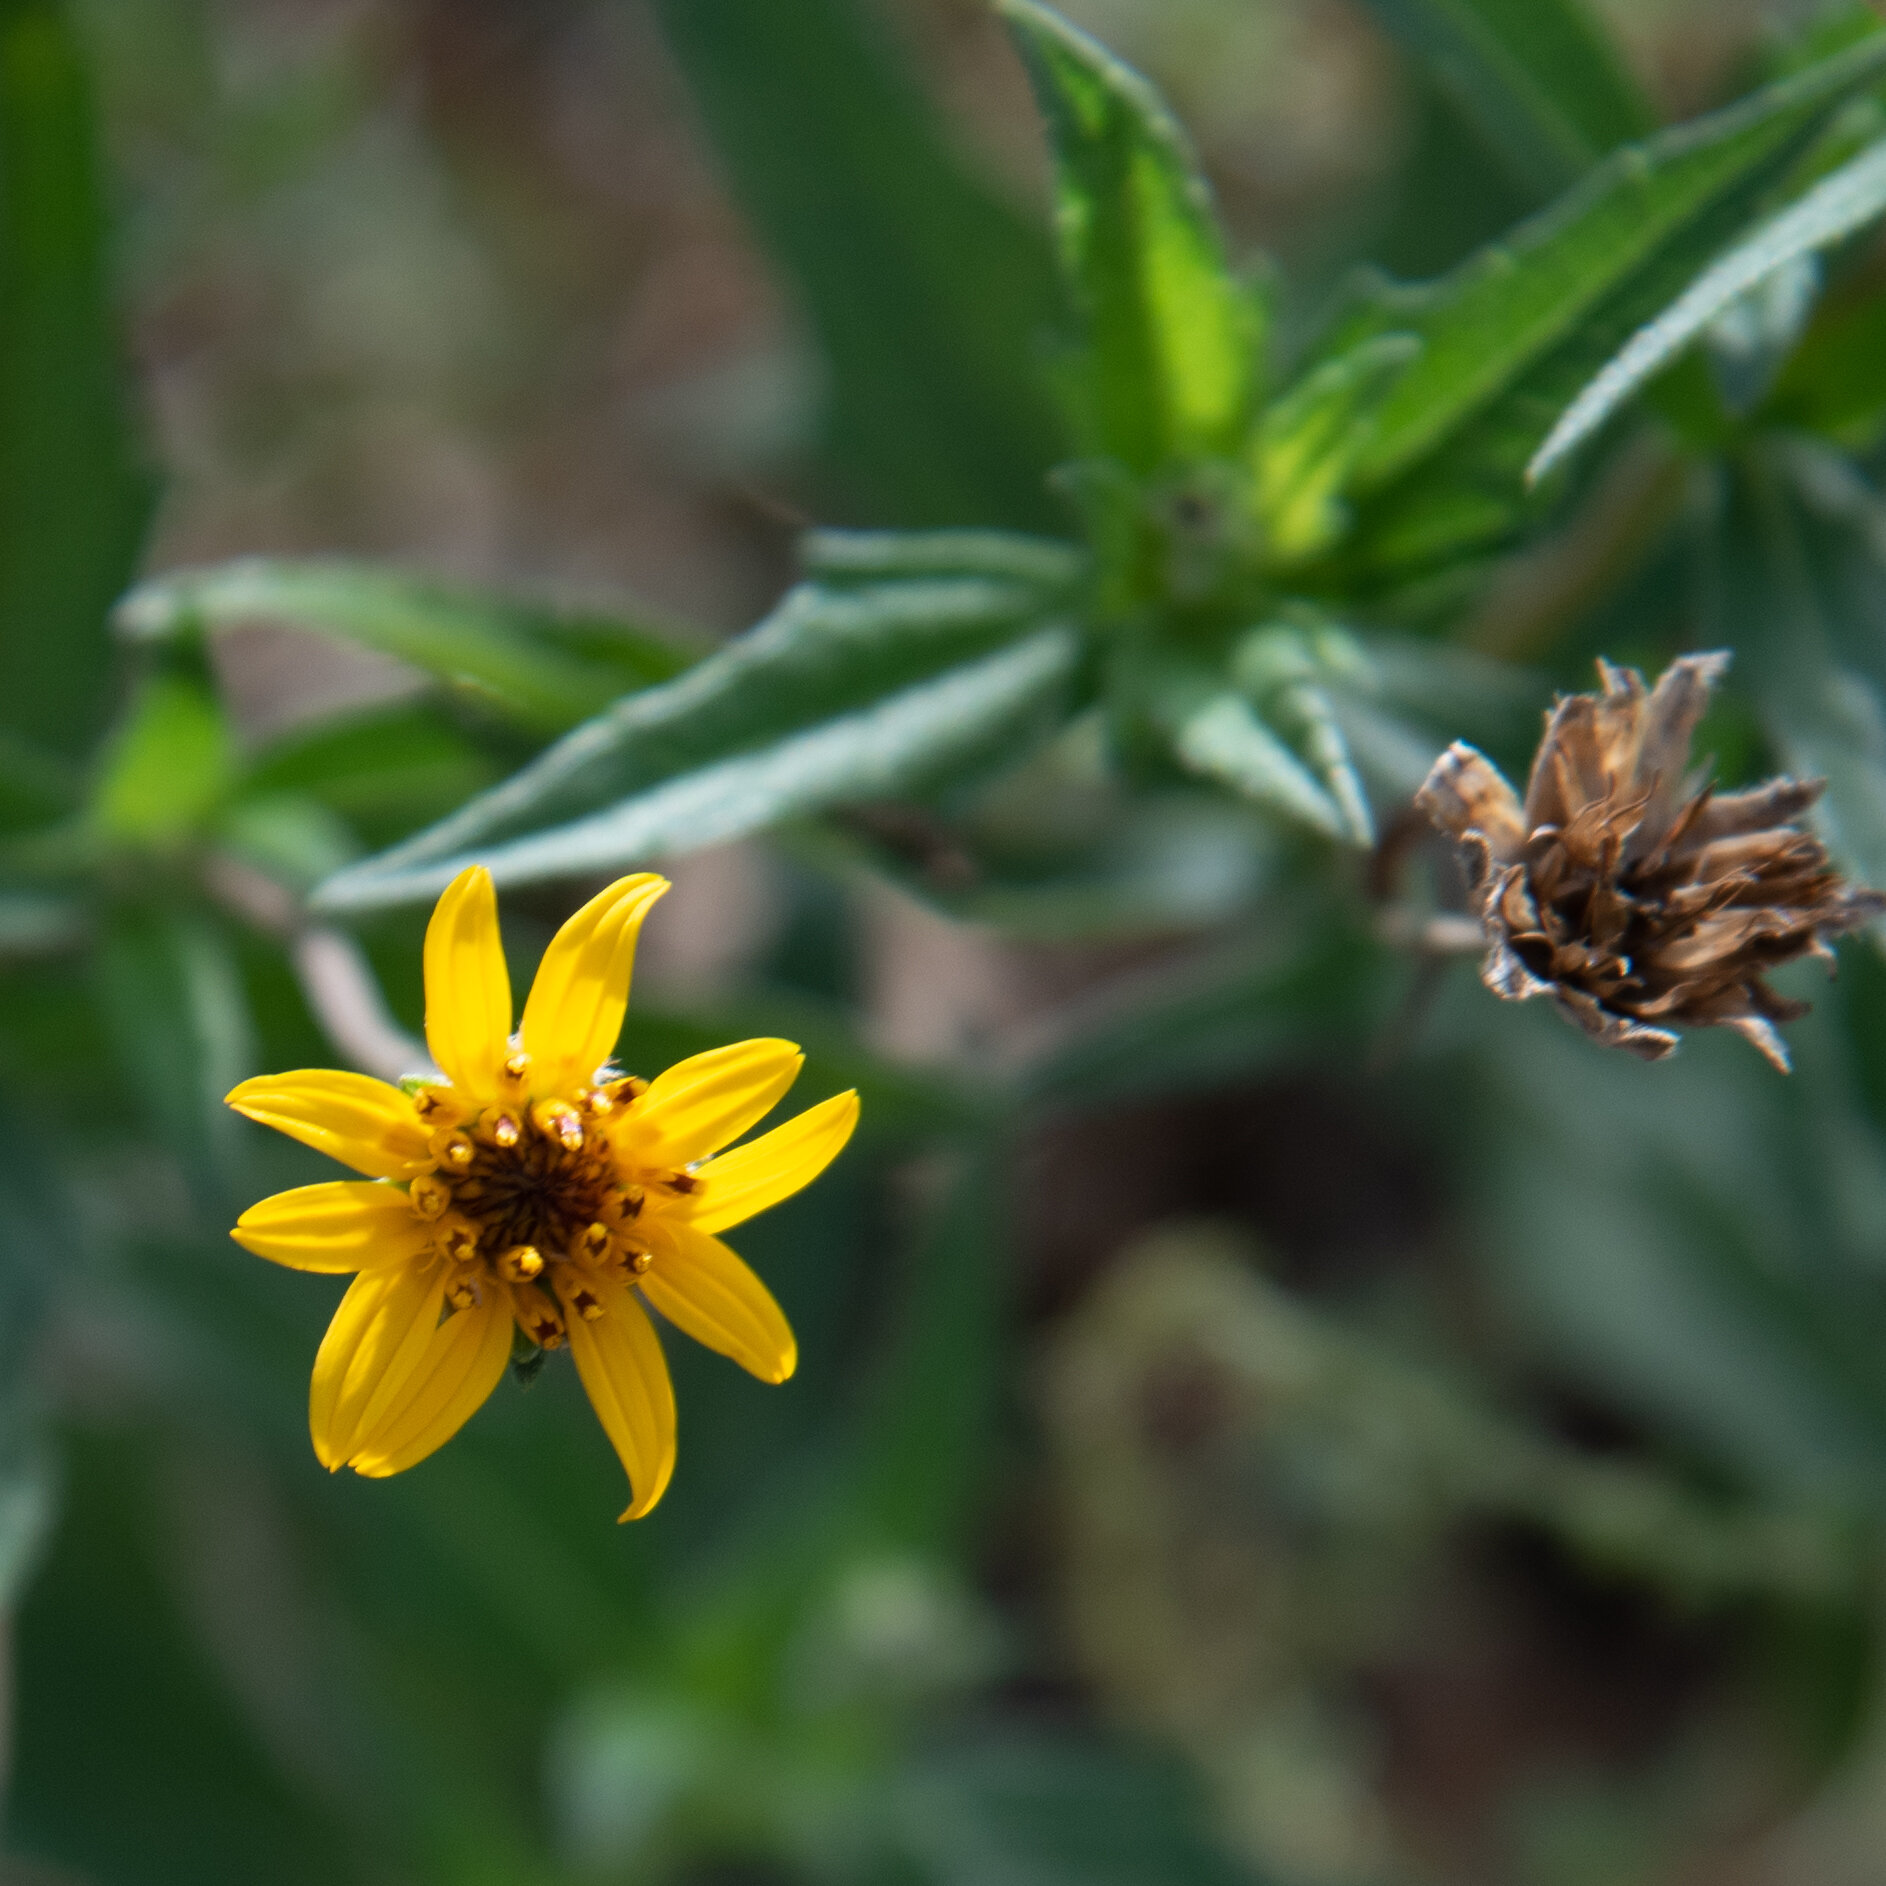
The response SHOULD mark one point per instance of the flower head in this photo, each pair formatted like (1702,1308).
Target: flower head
(534,1195)
(1639,900)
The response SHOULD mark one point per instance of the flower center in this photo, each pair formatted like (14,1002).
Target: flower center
(530,1192)
(535,1192)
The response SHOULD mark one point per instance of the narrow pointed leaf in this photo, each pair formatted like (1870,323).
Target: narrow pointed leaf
(856,556)
(73,499)
(964,718)
(1511,306)
(1168,340)
(545,667)
(1851,197)
(1800,589)
(924,293)
(1311,436)
(1226,741)
(822,653)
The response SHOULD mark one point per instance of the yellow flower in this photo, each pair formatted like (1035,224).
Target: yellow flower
(535,1187)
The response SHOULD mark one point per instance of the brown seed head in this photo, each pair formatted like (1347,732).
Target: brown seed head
(1641,901)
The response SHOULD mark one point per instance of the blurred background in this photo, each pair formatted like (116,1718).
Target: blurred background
(1349,1434)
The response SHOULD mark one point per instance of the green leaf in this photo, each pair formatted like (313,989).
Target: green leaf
(174,1000)
(387,770)
(1274,736)
(967,718)
(1671,1236)
(168,766)
(1310,438)
(38,1247)
(924,292)
(937,1399)
(72,499)
(837,696)
(1851,197)
(544,667)
(1628,223)
(1225,740)
(876,556)
(1061,847)
(1834,382)
(1538,79)
(1800,591)
(1168,339)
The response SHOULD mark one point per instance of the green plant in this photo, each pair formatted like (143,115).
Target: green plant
(1293,561)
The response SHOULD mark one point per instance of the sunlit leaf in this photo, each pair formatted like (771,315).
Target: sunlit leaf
(1487,324)
(169,764)
(1310,438)
(1168,343)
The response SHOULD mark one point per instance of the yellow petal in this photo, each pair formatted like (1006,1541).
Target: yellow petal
(362,1122)
(581,989)
(462,1364)
(625,1375)
(707,1101)
(738,1185)
(351,1224)
(378,1336)
(706,1291)
(468,988)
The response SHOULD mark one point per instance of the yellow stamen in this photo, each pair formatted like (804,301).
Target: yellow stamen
(517,1068)
(430,1195)
(556,1120)
(452,1149)
(641,1261)
(457,1240)
(463,1293)
(538,1317)
(595,1242)
(500,1128)
(520,1263)
(438,1106)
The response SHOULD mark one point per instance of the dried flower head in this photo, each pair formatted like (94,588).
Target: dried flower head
(1641,900)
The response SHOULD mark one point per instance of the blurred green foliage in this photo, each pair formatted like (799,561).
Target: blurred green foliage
(1150,600)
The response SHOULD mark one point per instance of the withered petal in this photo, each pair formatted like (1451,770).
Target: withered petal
(1629,891)
(1666,724)
(1615,1031)
(1764,1035)
(1466,793)
(1759,809)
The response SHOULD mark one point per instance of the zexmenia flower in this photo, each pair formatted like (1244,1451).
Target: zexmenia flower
(534,1188)
(1640,901)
